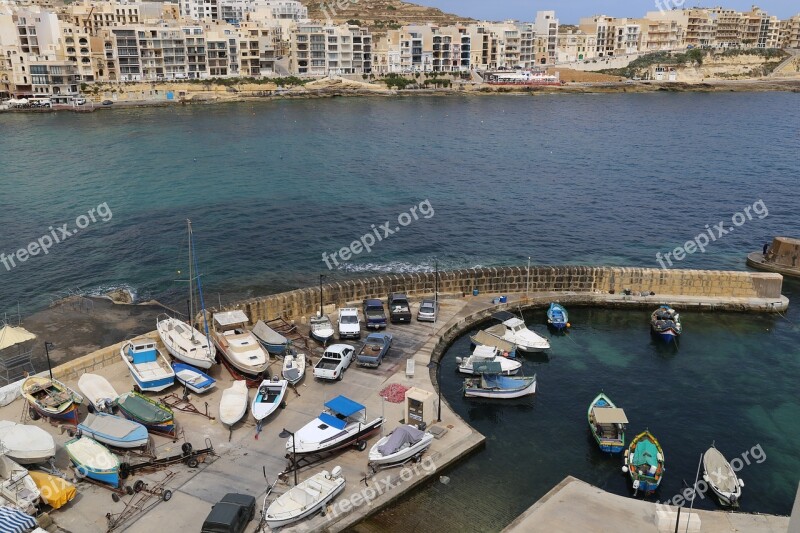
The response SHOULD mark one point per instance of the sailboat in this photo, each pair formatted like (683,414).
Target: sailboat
(183,341)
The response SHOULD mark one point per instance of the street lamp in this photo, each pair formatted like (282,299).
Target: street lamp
(285,434)
(437,365)
(47,346)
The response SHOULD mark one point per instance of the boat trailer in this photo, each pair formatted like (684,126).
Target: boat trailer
(310,459)
(140,502)
(174,401)
(192,458)
(374,469)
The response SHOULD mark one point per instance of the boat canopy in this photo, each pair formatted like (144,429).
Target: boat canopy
(332,421)
(646,453)
(400,437)
(10,336)
(344,406)
(229,318)
(15,521)
(267,334)
(487,367)
(609,415)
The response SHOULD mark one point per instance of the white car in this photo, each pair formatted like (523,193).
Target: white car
(349,323)
(427,310)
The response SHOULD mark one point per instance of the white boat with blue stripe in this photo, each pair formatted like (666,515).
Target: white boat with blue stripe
(343,423)
(148,366)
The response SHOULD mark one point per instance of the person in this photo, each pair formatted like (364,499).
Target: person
(766,249)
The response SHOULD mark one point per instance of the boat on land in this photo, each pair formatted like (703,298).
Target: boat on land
(557,316)
(321,329)
(294,367)
(98,391)
(644,463)
(192,378)
(305,499)
(155,416)
(268,398)
(343,423)
(93,460)
(274,342)
(114,431)
(183,341)
(56,491)
(488,381)
(233,404)
(514,330)
(486,354)
(721,477)
(16,486)
(26,444)
(51,398)
(149,368)
(666,324)
(607,424)
(242,353)
(399,446)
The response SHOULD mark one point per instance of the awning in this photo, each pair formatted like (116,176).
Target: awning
(344,406)
(609,415)
(10,336)
(15,521)
(229,318)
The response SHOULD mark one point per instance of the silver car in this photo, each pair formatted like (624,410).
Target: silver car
(427,311)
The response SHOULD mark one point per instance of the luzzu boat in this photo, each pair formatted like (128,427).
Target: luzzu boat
(666,324)
(93,460)
(51,398)
(156,417)
(644,463)
(607,424)
(114,431)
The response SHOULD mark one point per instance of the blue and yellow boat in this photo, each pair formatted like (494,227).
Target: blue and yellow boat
(93,460)
(666,324)
(155,416)
(607,424)
(644,463)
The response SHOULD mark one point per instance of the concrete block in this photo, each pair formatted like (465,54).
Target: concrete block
(666,520)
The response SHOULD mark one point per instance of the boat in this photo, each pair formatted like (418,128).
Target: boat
(55,491)
(557,316)
(148,366)
(321,329)
(16,486)
(490,382)
(192,378)
(274,342)
(483,354)
(342,423)
(93,460)
(513,329)
(666,324)
(114,431)
(607,424)
(51,398)
(268,398)
(720,476)
(156,417)
(294,367)
(305,499)
(402,444)
(183,341)
(241,352)
(98,391)
(26,444)
(644,463)
(233,404)
(481,338)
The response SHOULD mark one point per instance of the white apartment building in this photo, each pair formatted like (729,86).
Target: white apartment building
(613,36)
(323,49)
(546,26)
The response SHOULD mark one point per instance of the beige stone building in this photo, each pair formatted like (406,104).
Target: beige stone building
(790,32)
(613,36)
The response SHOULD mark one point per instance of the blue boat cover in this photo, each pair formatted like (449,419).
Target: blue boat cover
(344,406)
(332,421)
(15,521)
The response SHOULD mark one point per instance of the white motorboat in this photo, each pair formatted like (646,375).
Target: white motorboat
(98,391)
(343,423)
(402,444)
(485,354)
(721,477)
(268,398)
(16,486)
(241,351)
(305,499)
(294,367)
(233,404)
(514,330)
(149,368)
(321,328)
(26,444)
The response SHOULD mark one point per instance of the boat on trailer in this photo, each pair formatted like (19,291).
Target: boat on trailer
(149,368)
(399,446)
(52,399)
(607,424)
(98,391)
(274,342)
(114,431)
(93,460)
(486,354)
(155,416)
(343,423)
(321,329)
(242,353)
(294,367)
(490,382)
(192,378)
(268,398)
(644,463)
(557,316)
(514,330)
(305,499)
(26,444)
(720,476)
(666,323)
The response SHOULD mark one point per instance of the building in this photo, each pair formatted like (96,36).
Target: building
(699,26)
(323,49)
(575,45)
(660,35)
(546,26)
(790,32)
(613,36)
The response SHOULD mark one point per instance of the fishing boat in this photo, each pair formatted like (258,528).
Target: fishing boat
(514,330)
(148,366)
(26,444)
(114,431)
(482,338)
(490,382)
(268,398)
(182,340)
(274,342)
(557,316)
(305,499)
(485,354)
(241,352)
(192,378)
(156,417)
(342,423)
(607,424)
(666,324)
(51,398)
(321,329)
(56,491)
(644,463)
(98,391)
(294,367)
(402,444)
(233,404)
(93,460)
(16,486)
(720,476)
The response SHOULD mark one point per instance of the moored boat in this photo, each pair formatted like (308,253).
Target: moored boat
(666,324)
(294,367)
(720,476)
(233,404)
(26,444)
(514,330)
(192,378)
(482,338)
(607,424)
(485,354)
(402,444)
(342,423)
(51,398)
(305,499)
(557,316)
(490,382)
(241,351)
(644,463)
(114,431)
(16,486)
(147,365)
(98,391)
(155,416)
(268,398)
(93,460)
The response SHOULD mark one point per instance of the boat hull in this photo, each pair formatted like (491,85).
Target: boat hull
(70,415)
(471,391)
(253,380)
(262,409)
(344,441)
(191,378)
(107,474)
(667,335)
(275,523)
(165,427)
(200,362)
(375,458)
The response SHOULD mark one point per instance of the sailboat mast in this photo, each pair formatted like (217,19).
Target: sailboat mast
(191,280)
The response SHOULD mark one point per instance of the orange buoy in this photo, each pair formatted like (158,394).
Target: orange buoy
(569,325)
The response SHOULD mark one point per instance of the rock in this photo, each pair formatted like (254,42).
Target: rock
(120,296)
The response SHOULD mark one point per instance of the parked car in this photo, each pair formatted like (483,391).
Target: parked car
(374,314)
(80,101)
(334,362)
(231,514)
(428,310)
(107,102)
(349,324)
(399,308)
(374,349)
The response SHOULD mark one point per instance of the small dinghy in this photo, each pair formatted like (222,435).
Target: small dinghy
(402,444)
(305,499)
(486,354)
(98,391)
(93,460)
(721,477)
(268,398)
(607,424)
(16,486)
(233,404)
(294,367)
(148,366)
(156,417)
(26,444)
(644,463)
(51,399)
(557,317)
(193,379)
(56,491)
(321,329)
(274,342)
(114,431)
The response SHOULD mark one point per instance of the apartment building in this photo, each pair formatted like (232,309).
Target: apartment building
(546,26)
(322,49)
(759,30)
(527,45)
(235,11)
(659,35)
(612,36)
(790,32)
(699,26)
(483,47)
(575,45)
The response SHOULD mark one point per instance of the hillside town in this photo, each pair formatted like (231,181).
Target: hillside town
(54,50)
